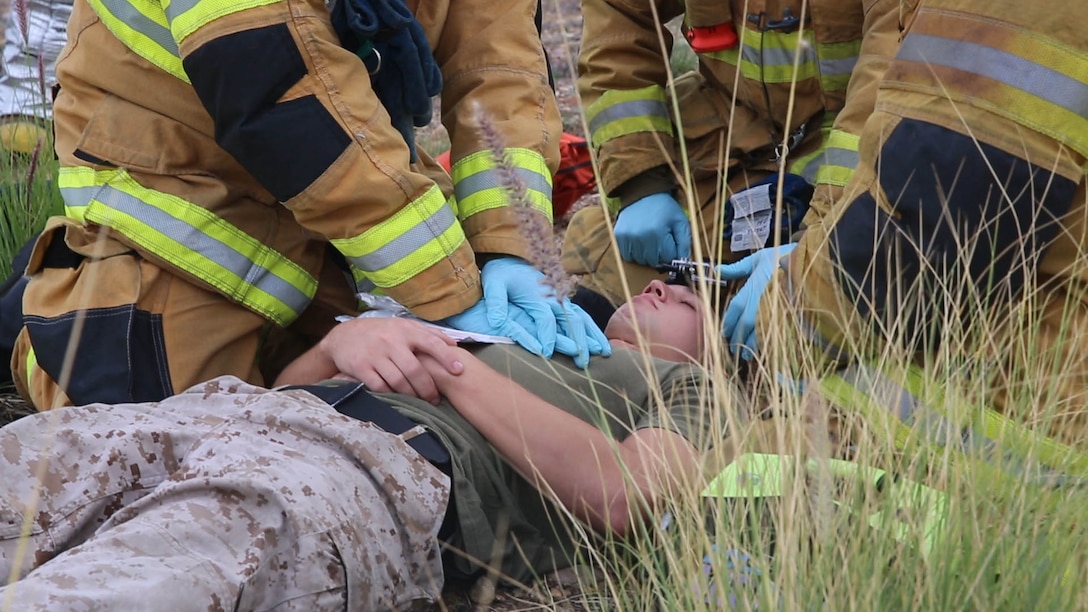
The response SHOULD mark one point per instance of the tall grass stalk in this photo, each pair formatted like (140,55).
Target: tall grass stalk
(28,197)
(946,528)
(28,192)
(968,513)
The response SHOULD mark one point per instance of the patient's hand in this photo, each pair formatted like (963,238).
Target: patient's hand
(385,355)
(465,384)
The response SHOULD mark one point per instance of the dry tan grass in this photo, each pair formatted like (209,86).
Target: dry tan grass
(12,407)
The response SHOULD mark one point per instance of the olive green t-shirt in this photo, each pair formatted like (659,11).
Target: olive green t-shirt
(499,512)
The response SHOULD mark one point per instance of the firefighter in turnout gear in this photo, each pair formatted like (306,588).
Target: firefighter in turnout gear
(232,180)
(782,90)
(965,227)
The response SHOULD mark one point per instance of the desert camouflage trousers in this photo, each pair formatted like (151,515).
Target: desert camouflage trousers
(227,496)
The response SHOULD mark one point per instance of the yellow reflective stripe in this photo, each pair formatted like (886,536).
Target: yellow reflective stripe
(808,165)
(478,182)
(619,113)
(997,427)
(837,62)
(31,363)
(840,159)
(141,25)
(415,238)
(768,57)
(918,405)
(1047,93)
(191,238)
(188,16)
(877,408)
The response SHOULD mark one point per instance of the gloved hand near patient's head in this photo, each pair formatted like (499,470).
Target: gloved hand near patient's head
(739,322)
(653,231)
(517,304)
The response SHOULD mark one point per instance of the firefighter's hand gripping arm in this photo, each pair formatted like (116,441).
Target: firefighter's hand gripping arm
(739,322)
(517,304)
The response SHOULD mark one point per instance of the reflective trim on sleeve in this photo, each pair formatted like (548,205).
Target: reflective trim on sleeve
(808,165)
(837,62)
(188,16)
(142,26)
(768,57)
(154,32)
(920,406)
(619,113)
(1047,93)
(191,238)
(840,159)
(479,186)
(415,238)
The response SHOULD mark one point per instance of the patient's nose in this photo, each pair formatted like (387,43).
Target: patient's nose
(658,289)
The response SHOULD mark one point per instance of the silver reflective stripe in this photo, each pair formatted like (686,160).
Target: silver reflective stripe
(938,429)
(836,67)
(407,243)
(897,401)
(834,156)
(812,167)
(365,285)
(774,56)
(628,110)
(179,7)
(1001,66)
(490,179)
(79,197)
(136,20)
(750,54)
(247,271)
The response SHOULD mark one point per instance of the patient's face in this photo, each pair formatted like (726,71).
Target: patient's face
(669,320)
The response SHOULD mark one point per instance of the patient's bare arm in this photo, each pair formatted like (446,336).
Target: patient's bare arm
(597,478)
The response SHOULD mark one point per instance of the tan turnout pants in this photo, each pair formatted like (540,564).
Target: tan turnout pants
(143,332)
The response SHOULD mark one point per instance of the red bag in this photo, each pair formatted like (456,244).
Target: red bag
(572,180)
(575,177)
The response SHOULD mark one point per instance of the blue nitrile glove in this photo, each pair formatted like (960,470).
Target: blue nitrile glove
(514,296)
(404,74)
(579,336)
(511,284)
(739,323)
(653,231)
(520,329)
